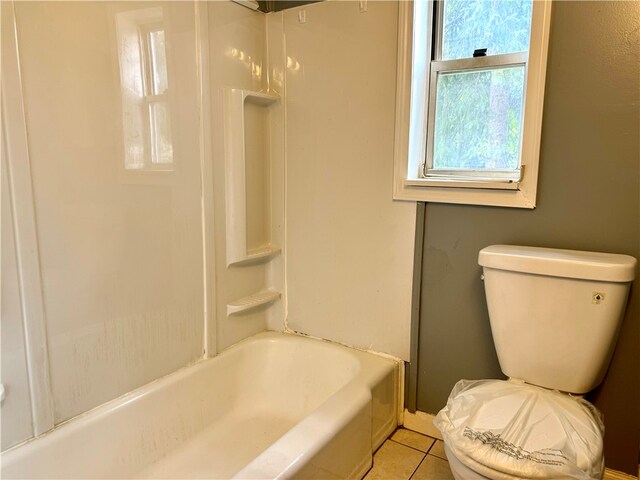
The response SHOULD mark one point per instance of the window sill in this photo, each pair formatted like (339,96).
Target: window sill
(465,193)
(444,183)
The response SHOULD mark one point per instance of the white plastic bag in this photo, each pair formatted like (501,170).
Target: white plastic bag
(522,430)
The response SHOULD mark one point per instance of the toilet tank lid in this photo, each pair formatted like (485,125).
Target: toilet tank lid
(555,262)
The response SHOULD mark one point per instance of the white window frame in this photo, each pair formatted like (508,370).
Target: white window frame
(412,119)
(132,56)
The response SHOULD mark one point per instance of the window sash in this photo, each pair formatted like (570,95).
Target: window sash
(438,7)
(468,65)
(462,65)
(490,61)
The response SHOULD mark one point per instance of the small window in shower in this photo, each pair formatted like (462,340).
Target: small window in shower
(146,114)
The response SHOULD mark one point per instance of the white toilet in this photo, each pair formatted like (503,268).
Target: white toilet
(555,316)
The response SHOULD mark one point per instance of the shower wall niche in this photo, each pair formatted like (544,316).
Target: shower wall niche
(248,176)
(247,153)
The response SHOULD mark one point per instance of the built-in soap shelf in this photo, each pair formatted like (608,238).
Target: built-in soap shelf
(258,255)
(252,301)
(235,104)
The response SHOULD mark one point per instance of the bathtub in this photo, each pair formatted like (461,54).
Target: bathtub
(272,406)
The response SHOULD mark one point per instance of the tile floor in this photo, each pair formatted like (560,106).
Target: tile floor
(409,455)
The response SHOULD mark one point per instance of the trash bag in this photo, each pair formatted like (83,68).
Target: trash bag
(508,428)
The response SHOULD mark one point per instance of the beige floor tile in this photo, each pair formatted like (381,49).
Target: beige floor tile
(433,468)
(413,439)
(438,450)
(393,461)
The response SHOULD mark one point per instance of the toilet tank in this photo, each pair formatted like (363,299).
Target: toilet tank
(555,314)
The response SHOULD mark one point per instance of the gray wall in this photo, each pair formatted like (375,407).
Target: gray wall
(279,5)
(588,199)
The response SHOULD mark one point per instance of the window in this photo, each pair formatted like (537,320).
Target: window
(469,105)
(155,93)
(142,57)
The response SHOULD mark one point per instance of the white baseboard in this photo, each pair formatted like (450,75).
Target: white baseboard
(616,475)
(422,423)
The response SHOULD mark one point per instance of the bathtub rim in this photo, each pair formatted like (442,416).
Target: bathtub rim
(365,377)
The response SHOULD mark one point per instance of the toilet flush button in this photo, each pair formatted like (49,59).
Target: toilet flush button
(597,298)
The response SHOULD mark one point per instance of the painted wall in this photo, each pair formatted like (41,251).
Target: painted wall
(120,250)
(589,199)
(279,5)
(349,246)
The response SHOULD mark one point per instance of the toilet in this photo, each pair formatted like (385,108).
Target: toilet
(555,316)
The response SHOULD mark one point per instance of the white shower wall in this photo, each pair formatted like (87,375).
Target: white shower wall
(238,59)
(19,425)
(349,245)
(120,250)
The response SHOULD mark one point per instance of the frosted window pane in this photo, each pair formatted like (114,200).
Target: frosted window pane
(162,148)
(478,119)
(500,26)
(158,62)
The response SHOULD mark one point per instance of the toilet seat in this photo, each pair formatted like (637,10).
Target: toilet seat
(505,429)
(469,469)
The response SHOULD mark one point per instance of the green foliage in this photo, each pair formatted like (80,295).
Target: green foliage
(478,119)
(501,26)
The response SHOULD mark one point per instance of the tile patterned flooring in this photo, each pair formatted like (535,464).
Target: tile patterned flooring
(409,455)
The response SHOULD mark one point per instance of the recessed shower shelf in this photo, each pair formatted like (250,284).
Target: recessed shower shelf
(257,255)
(237,190)
(252,301)
(260,98)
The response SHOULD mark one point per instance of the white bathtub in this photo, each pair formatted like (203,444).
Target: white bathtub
(272,406)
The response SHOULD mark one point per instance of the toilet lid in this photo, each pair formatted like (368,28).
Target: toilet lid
(521,430)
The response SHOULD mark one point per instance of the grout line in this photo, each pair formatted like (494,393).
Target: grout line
(431,448)
(417,467)
(437,456)
(424,459)
(424,455)
(409,446)
(434,455)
